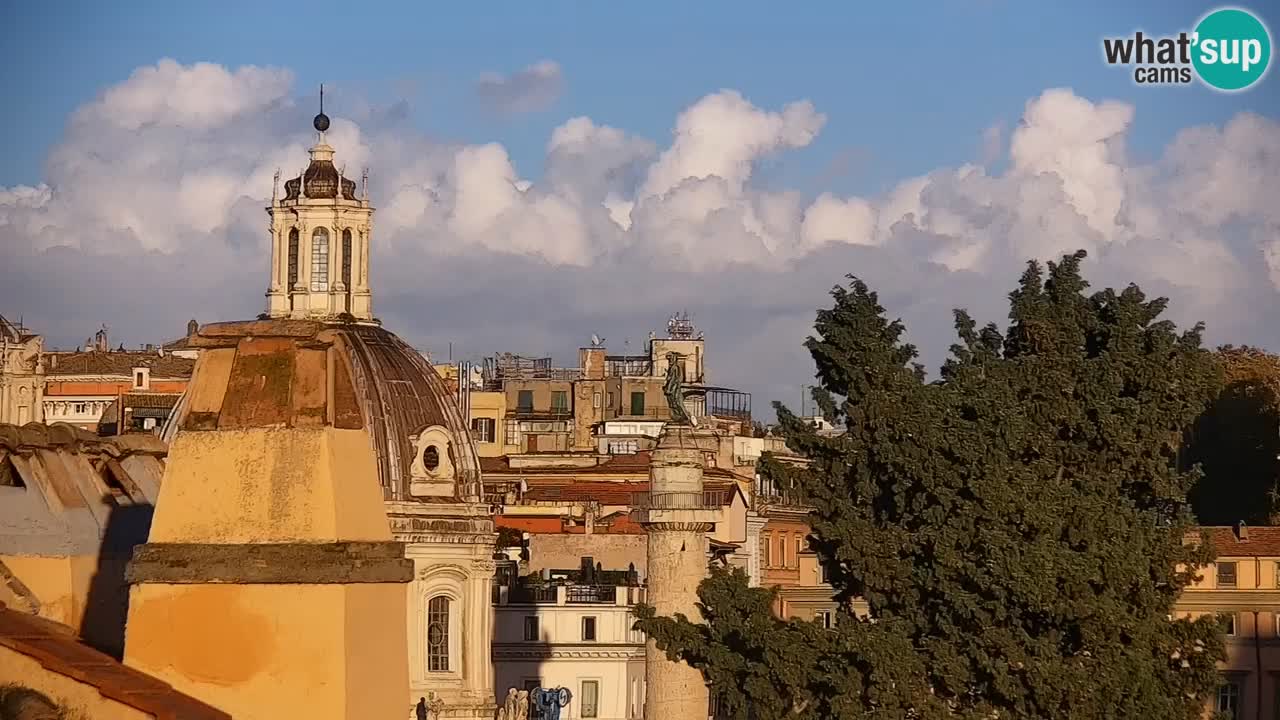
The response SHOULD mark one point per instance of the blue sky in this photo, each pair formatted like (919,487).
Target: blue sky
(745,218)
(907,87)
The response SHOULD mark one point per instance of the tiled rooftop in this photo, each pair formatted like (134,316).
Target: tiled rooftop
(58,650)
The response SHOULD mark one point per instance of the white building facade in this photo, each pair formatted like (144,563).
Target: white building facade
(572,636)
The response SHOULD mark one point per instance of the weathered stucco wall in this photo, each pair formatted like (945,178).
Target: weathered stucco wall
(257,646)
(241,486)
(565,552)
(68,692)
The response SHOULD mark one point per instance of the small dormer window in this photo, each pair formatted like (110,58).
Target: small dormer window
(141,379)
(431,458)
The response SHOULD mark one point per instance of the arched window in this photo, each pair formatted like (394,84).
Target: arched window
(320,260)
(346,257)
(293,258)
(438,634)
(346,265)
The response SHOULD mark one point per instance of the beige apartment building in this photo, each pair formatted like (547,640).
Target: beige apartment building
(1243,584)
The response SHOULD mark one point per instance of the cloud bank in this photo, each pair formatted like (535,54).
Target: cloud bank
(533,89)
(152,212)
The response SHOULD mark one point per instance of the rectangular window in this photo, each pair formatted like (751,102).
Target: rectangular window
(610,398)
(1229,699)
(531,628)
(637,402)
(1231,625)
(559,401)
(524,401)
(826,574)
(138,380)
(590,698)
(595,400)
(588,629)
(513,432)
(1226,574)
(826,618)
(768,549)
(482,429)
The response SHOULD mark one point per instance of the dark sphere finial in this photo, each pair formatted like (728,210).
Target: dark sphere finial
(321,123)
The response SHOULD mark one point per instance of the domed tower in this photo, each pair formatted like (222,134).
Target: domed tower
(320,240)
(291,424)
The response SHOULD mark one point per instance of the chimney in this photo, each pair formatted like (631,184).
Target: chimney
(591,360)
(1242,531)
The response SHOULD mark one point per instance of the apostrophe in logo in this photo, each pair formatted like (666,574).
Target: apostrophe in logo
(1233,49)
(1229,50)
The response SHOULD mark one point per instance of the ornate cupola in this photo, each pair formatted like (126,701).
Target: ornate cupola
(320,234)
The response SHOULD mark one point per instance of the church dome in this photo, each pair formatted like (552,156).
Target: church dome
(320,180)
(312,374)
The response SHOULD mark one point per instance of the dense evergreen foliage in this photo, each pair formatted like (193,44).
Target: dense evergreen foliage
(1236,442)
(1015,528)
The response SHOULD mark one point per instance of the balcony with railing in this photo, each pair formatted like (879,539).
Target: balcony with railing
(726,403)
(561,595)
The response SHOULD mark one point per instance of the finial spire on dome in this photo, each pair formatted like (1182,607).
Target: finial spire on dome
(321,121)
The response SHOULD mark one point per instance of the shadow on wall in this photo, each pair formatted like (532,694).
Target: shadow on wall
(107,605)
(22,703)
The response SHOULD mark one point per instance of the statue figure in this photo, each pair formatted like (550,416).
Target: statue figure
(508,709)
(674,390)
(522,705)
(550,700)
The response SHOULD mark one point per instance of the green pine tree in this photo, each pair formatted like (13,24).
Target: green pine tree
(1015,528)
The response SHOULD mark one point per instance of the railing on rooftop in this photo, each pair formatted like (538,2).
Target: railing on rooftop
(590,594)
(705,500)
(628,366)
(729,404)
(532,594)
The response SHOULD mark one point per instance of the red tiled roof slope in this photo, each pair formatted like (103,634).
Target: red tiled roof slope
(57,649)
(119,363)
(1262,541)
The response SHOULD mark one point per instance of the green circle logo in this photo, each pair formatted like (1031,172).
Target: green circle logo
(1232,49)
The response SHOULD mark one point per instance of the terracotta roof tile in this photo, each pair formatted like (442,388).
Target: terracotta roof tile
(57,649)
(1262,541)
(119,363)
(161,401)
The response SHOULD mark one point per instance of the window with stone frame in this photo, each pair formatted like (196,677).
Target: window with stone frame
(293,258)
(589,705)
(531,629)
(484,429)
(438,611)
(1226,574)
(320,260)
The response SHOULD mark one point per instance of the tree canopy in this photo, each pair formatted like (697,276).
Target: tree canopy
(1015,527)
(1236,442)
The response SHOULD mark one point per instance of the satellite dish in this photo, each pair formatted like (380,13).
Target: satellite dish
(595,339)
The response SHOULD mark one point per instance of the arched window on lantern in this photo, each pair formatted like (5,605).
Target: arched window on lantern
(346,264)
(320,260)
(438,634)
(293,258)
